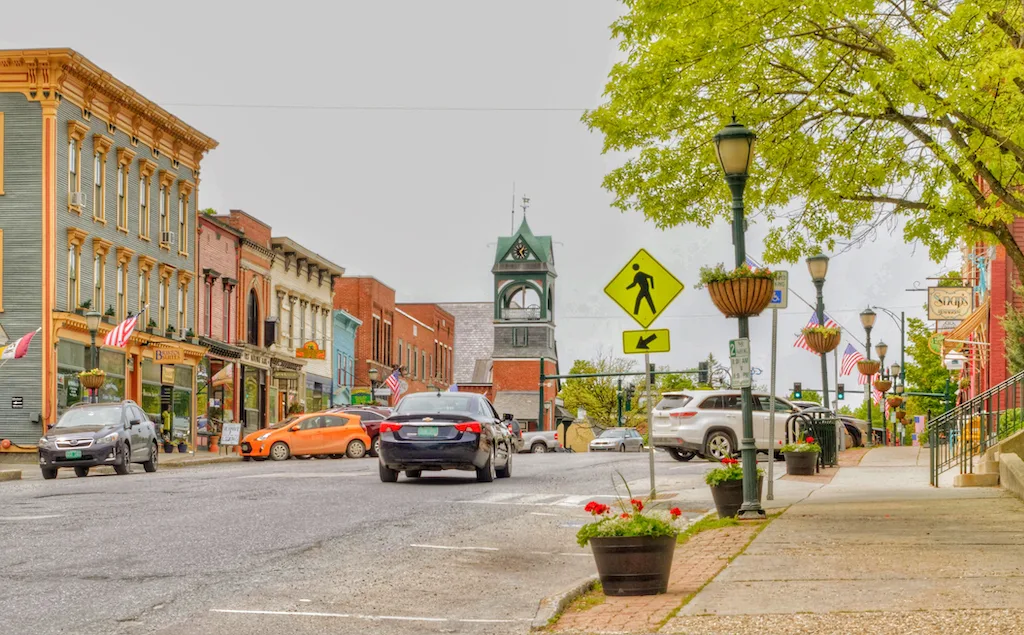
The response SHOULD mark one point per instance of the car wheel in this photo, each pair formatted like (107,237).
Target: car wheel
(279,451)
(337,456)
(622,447)
(356,449)
(49,472)
(538,448)
(375,446)
(414,473)
(387,475)
(487,473)
(680,455)
(719,445)
(506,471)
(81,472)
(246,458)
(150,465)
(125,467)
(304,457)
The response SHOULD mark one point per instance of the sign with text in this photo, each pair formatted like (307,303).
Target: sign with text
(17,403)
(950,303)
(168,356)
(310,350)
(739,358)
(780,296)
(231,434)
(655,341)
(643,288)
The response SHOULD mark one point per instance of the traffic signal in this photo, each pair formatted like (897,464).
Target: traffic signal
(702,373)
(650,374)
(840,391)
(798,390)
(629,397)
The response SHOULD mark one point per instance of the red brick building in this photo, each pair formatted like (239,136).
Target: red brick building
(372,302)
(434,336)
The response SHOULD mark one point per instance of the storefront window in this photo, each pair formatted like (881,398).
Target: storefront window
(151,390)
(70,361)
(112,362)
(182,402)
(314,397)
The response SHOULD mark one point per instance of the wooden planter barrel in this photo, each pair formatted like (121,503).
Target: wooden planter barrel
(634,565)
(883,385)
(801,463)
(742,297)
(822,343)
(93,381)
(728,496)
(868,367)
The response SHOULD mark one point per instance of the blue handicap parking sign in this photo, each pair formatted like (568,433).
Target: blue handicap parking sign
(777,296)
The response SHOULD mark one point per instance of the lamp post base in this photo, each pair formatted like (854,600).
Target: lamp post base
(755,513)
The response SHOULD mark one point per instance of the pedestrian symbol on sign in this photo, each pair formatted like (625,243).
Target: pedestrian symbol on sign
(646,283)
(643,288)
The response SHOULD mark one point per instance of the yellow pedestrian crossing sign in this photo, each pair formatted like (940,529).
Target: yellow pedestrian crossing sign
(643,288)
(655,341)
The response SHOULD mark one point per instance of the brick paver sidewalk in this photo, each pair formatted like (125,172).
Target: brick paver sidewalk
(693,565)
(847,458)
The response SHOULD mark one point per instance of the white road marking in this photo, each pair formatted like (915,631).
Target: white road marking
(306,475)
(543,514)
(41,517)
(560,553)
(399,618)
(456,548)
(305,600)
(534,500)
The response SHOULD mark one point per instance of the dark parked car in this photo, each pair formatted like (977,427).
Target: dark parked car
(371,416)
(516,430)
(445,431)
(91,434)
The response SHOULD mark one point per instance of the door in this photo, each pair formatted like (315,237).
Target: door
(338,430)
(141,443)
(762,420)
(499,432)
(636,441)
(308,439)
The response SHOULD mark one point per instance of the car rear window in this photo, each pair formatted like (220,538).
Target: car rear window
(437,403)
(670,402)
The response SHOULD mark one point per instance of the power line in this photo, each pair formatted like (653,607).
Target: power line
(378,108)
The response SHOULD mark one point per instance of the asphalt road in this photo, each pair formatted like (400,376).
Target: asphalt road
(319,546)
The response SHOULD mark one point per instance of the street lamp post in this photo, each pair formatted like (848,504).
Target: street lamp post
(735,148)
(882,348)
(818,268)
(92,322)
(894,373)
(902,323)
(373,374)
(867,319)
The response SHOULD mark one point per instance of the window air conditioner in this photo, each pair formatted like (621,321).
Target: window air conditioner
(77,199)
(167,238)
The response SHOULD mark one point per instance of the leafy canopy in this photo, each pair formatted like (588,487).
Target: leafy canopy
(867,112)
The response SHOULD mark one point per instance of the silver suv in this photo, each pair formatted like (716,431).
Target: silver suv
(709,423)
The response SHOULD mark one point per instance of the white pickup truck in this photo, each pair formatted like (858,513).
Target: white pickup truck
(540,441)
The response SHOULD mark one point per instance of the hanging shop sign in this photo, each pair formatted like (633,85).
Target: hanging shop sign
(950,303)
(310,350)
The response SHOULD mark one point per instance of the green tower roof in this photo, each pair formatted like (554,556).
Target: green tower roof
(539,245)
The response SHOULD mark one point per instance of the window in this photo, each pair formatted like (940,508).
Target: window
(99,179)
(519,337)
(72,278)
(183,224)
(375,334)
(227,314)
(415,356)
(400,345)
(280,317)
(1,255)
(423,364)
(144,206)
(1,153)
(302,324)
(162,299)
(122,197)
(99,280)
(291,323)
(312,322)
(253,318)
(387,343)
(122,288)
(74,166)
(181,308)
(162,203)
(143,290)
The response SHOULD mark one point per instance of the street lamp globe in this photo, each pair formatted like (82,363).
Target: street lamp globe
(818,266)
(867,318)
(735,148)
(882,348)
(92,321)
(895,369)
(373,374)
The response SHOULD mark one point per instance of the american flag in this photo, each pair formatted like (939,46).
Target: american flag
(752,263)
(801,342)
(395,385)
(850,359)
(119,336)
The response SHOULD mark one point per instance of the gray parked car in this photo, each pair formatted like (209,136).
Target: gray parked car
(618,440)
(539,442)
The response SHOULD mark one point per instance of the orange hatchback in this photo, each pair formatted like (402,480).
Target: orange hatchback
(314,434)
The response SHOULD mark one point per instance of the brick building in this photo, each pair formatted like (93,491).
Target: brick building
(433,336)
(373,303)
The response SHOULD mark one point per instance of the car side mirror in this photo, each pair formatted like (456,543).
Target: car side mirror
(294,428)
(134,422)
(506,417)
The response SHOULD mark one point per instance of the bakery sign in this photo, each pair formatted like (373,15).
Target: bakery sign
(950,303)
(310,350)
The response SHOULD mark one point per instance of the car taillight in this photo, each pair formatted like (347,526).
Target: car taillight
(685,414)
(509,426)
(390,427)
(472,426)
(556,436)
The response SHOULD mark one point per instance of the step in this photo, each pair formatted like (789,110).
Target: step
(976,480)
(988,467)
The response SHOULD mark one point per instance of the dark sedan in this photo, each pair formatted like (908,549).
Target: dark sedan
(370,418)
(445,431)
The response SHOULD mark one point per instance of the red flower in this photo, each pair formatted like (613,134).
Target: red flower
(675,512)
(625,515)
(637,504)
(593,504)
(596,508)
(810,439)
(729,461)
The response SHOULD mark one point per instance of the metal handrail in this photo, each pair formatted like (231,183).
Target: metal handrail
(957,436)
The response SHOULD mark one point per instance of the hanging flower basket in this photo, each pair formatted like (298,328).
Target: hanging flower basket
(895,402)
(882,385)
(868,367)
(901,414)
(743,292)
(822,339)
(92,379)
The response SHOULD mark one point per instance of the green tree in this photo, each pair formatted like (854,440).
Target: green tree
(808,395)
(864,113)
(925,371)
(599,395)
(674,381)
(1013,322)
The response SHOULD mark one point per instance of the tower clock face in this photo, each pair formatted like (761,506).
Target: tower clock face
(520,252)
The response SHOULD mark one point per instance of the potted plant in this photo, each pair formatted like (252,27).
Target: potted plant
(726,484)
(296,408)
(151,327)
(895,401)
(213,427)
(168,444)
(84,306)
(801,457)
(882,385)
(822,339)
(868,367)
(182,445)
(169,332)
(742,292)
(190,335)
(632,550)
(92,379)
(108,315)
(901,414)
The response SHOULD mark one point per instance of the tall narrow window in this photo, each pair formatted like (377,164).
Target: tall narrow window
(183,224)
(122,198)
(227,314)
(253,318)
(400,356)
(181,308)
(72,277)
(162,204)
(162,299)
(143,206)
(302,325)
(76,134)
(99,176)
(375,334)
(142,286)
(312,323)
(122,299)
(74,185)
(98,276)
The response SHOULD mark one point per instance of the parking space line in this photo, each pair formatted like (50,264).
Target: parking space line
(40,517)
(357,616)
(543,514)
(455,548)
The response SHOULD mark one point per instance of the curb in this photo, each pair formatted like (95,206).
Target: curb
(554,605)
(199,462)
(10,475)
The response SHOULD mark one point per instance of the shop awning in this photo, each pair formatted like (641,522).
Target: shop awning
(224,377)
(972,331)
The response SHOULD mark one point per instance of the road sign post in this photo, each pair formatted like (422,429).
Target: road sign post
(739,358)
(780,300)
(644,289)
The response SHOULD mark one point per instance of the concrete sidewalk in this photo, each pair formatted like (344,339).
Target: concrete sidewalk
(875,550)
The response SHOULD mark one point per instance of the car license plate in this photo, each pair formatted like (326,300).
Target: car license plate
(73,454)
(427,431)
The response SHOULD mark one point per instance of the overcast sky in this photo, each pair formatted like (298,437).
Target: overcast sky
(374,179)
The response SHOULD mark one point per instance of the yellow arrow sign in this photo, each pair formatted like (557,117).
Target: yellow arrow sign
(655,341)
(643,288)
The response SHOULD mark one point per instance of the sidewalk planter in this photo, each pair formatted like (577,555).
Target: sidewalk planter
(868,367)
(822,340)
(729,496)
(801,463)
(92,379)
(742,292)
(183,448)
(637,565)
(214,443)
(168,447)
(882,385)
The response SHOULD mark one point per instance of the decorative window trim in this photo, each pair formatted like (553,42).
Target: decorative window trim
(1,263)
(185,190)
(147,167)
(76,237)
(146,263)
(124,255)
(76,135)
(125,156)
(101,145)
(101,246)
(1,154)
(77,130)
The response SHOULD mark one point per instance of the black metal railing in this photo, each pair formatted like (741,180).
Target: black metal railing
(820,423)
(959,435)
